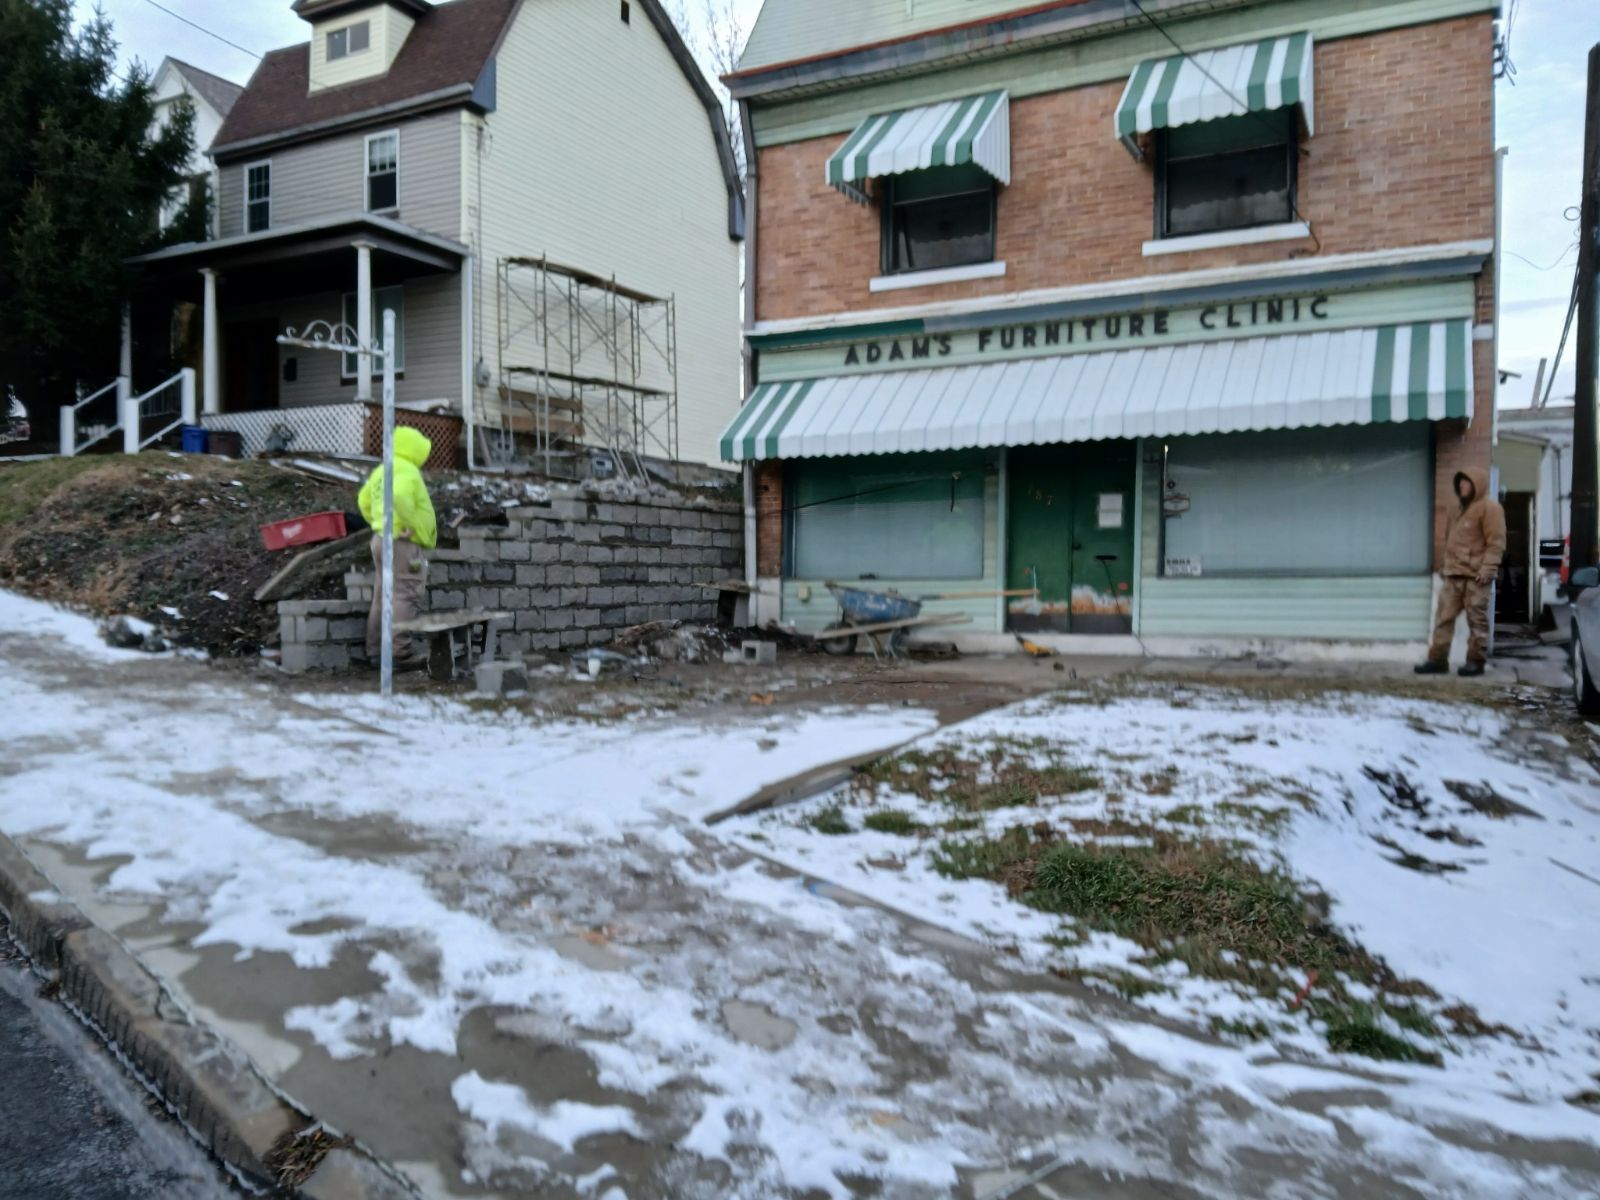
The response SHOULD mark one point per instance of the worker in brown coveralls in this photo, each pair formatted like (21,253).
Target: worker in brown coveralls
(1474,543)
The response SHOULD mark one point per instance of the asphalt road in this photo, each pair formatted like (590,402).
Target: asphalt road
(73,1124)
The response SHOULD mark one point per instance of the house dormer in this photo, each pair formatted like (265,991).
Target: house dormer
(356,40)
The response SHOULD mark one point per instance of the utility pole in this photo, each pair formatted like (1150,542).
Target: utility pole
(1585,468)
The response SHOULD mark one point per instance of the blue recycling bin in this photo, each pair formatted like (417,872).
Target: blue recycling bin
(195,438)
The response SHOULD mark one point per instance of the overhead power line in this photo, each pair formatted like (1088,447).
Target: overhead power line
(196,25)
(1229,93)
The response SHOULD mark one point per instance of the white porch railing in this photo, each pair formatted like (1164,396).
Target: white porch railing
(173,398)
(313,429)
(70,445)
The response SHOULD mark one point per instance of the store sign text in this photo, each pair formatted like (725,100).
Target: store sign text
(1094,332)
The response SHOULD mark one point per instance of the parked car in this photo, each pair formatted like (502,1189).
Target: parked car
(1583,588)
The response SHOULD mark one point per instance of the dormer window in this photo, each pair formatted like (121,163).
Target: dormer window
(352,39)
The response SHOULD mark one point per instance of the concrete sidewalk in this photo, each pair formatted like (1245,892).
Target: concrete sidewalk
(687,1021)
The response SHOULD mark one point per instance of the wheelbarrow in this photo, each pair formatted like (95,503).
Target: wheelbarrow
(874,616)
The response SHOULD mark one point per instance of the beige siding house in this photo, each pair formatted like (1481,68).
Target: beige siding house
(419,157)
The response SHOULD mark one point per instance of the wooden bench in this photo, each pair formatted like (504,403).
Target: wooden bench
(441,628)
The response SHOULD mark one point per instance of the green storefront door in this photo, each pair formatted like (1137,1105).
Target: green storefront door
(1070,534)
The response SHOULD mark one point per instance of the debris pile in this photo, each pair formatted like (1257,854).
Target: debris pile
(673,641)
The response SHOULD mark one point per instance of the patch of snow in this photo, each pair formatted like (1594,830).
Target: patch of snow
(171,612)
(219,595)
(35,618)
(564,1124)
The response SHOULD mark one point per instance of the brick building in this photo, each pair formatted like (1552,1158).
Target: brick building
(1176,320)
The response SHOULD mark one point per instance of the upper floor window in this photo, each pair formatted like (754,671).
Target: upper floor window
(257,197)
(383,172)
(1231,173)
(352,39)
(941,217)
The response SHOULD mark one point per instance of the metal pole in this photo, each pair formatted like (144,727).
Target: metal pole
(1585,470)
(386,650)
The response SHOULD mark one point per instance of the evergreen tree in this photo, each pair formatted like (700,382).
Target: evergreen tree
(82,181)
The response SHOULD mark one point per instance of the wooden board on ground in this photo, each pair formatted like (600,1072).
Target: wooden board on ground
(444,622)
(440,629)
(283,584)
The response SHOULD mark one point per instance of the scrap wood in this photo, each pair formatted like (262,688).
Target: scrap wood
(649,631)
(285,581)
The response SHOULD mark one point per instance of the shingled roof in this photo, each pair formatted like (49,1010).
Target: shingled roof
(216,91)
(447,49)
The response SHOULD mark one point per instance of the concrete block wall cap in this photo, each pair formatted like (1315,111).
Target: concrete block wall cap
(215,1090)
(319,608)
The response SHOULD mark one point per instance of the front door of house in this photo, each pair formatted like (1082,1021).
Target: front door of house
(250,365)
(1070,535)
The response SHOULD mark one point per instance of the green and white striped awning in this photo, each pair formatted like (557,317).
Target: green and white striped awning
(1252,77)
(1420,372)
(974,129)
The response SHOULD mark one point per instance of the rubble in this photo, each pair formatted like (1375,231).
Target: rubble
(130,633)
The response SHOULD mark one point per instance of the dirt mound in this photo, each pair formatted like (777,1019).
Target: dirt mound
(172,539)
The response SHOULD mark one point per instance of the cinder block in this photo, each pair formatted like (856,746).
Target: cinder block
(313,629)
(514,552)
(348,629)
(513,598)
(447,599)
(530,576)
(288,629)
(599,596)
(545,552)
(761,654)
(585,575)
(295,657)
(586,618)
(575,637)
(530,619)
(499,573)
(558,618)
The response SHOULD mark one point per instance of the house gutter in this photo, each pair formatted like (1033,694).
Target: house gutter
(751,364)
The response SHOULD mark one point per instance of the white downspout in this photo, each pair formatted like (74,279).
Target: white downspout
(211,354)
(468,373)
(364,321)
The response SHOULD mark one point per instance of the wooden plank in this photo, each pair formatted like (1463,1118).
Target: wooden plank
(443,622)
(282,584)
(839,631)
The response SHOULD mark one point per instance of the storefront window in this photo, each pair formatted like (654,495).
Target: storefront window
(913,516)
(1355,500)
(1226,174)
(943,217)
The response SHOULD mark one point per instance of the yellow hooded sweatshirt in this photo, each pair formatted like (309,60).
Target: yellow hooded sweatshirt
(413,510)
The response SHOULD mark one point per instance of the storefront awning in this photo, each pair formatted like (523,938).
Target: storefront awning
(974,129)
(1164,93)
(1419,372)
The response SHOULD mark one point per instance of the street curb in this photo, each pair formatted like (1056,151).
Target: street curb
(203,1080)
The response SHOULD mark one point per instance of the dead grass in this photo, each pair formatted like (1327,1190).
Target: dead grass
(1000,773)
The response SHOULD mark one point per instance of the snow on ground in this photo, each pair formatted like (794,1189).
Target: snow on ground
(736,1016)
(1495,908)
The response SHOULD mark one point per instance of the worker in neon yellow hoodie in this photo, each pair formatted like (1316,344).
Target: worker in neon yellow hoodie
(415,533)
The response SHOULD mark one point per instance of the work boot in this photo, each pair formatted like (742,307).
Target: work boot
(1434,666)
(1471,669)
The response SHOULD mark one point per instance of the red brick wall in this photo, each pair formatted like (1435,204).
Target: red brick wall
(769,520)
(1403,155)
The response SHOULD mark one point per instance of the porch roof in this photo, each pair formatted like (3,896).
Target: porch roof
(339,232)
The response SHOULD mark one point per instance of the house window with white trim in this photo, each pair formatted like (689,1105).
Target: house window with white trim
(257,197)
(1233,173)
(352,39)
(936,218)
(383,172)
(382,298)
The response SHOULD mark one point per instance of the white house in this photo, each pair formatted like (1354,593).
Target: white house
(213,97)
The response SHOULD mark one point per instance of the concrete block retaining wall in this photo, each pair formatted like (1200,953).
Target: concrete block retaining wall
(574,571)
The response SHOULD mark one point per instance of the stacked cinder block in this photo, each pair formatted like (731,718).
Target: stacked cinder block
(576,570)
(321,634)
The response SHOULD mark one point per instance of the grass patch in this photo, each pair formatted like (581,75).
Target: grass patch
(25,486)
(892,820)
(1356,1030)
(1206,905)
(831,821)
(1000,773)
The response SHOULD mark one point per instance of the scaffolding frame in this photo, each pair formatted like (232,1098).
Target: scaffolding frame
(598,361)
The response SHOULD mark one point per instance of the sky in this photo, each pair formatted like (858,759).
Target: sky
(1540,119)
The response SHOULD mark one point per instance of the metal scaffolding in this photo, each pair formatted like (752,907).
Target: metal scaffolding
(585,361)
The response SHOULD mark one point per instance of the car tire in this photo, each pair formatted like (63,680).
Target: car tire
(1584,690)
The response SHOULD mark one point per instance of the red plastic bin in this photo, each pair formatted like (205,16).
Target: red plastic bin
(303,531)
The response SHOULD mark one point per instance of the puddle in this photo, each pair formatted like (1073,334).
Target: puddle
(758,1026)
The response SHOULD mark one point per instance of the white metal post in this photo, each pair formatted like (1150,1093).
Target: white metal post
(128,408)
(211,340)
(69,431)
(469,367)
(364,321)
(386,651)
(186,392)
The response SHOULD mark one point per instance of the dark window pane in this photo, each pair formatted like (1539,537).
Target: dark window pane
(338,44)
(1228,191)
(382,191)
(360,37)
(256,216)
(949,231)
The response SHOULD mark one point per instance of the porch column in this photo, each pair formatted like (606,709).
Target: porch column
(364,320)
(211,356)
(125,365)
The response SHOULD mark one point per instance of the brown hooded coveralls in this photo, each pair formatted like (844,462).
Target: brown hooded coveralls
(1474,543)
